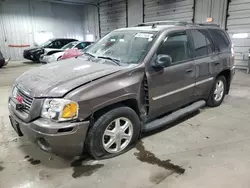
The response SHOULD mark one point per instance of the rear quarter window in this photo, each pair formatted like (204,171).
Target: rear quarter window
(220,39)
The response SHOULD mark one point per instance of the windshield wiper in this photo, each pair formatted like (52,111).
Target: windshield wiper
(116,61)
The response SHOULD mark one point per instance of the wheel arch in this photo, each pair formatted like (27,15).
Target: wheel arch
(227,74)
(130,102)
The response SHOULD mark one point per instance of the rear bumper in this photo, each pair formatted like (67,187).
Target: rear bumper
(232,73)
(66,139)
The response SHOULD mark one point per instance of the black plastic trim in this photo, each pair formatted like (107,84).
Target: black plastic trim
(227,15)
(194,11)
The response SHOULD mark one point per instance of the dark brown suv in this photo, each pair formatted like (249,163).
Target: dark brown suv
(132,80)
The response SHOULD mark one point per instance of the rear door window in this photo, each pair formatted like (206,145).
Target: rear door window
(55,44)
(82,45)
(202,43)
(220,39)
(64,42)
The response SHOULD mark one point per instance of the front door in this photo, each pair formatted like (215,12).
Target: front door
(172,86)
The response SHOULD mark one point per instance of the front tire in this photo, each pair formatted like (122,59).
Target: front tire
(113,133)
(218,92)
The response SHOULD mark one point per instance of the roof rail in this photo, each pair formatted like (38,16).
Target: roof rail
(203,24)
(180,23)
(208,24)
(167,22)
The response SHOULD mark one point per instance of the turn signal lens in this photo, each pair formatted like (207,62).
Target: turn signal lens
(70,110)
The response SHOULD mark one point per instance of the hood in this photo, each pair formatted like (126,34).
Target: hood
(31,49)
(57,79)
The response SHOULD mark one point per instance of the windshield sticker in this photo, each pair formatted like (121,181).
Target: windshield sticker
(144,35)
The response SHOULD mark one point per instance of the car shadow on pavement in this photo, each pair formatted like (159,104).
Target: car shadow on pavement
(81,165)
(30,62)
(35,156)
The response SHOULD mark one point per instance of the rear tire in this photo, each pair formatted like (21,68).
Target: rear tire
(218,92)
(113,133)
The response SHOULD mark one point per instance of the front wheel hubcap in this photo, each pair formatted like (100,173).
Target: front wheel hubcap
(117,135)
(219,90)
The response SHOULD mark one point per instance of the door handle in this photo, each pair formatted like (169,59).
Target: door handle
(189,70)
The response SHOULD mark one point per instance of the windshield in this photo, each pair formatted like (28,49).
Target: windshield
(69,46)
(125,46)
(45,44)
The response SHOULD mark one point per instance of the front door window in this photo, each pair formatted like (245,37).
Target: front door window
(176,46)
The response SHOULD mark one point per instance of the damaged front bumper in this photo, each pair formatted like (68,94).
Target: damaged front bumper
(66,138)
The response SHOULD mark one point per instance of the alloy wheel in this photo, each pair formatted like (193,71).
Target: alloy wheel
(219,91)
(117,135)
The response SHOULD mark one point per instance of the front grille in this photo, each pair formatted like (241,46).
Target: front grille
(25,53)
(27,101)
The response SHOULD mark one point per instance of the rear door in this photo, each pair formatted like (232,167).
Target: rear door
(172,86)
(223,46)
(205,56)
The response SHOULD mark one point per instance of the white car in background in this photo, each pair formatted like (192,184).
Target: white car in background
(52,55)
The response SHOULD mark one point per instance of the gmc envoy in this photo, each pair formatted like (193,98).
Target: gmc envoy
(132,80)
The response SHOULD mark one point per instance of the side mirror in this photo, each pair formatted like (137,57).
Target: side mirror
(162,61)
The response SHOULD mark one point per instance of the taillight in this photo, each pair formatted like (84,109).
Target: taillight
(232,52)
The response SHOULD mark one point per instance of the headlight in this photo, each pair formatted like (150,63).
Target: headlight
(60,109)
(14,92)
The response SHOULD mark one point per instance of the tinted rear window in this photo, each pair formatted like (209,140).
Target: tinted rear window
(202,43)
(220,39)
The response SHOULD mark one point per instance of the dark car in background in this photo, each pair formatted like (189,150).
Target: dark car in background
(34,54)
(3,61)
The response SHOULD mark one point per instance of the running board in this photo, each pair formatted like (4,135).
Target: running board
(173,116)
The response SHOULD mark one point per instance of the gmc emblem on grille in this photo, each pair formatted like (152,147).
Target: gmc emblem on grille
(20,99)
(20,106)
